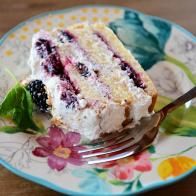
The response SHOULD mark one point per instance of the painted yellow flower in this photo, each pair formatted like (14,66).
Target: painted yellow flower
(175,166)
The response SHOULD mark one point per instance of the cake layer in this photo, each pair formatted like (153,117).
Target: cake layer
(92,87)
(126,55)
(125,83)
(78,53)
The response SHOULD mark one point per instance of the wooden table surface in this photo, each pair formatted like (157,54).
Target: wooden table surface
(12,12)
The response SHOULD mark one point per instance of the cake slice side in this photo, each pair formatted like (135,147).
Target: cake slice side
(126,55)
(114,70)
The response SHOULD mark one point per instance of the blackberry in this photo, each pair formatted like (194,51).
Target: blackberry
(70,99)
(53,65)
(43,47)
(38,94)
(66,35)
(83,70)
(132,74)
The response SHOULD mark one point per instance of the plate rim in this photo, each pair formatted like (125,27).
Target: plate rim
(51,185)
(59,189)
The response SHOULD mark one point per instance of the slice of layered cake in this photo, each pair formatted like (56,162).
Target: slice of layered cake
(94,84)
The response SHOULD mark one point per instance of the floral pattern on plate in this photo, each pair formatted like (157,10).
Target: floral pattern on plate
(165,51)
(59,148)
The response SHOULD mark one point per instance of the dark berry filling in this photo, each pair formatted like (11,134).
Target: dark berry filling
(81,67)
(52,65)
(70,99)
(68,84)
(69,92)
(38,94)
(83,70)
(43,47)
(66,35)
(132,74)
(125,66)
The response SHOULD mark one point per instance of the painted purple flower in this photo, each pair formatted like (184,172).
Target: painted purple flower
(59,148)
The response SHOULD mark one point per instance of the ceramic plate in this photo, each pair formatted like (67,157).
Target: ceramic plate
(165,50)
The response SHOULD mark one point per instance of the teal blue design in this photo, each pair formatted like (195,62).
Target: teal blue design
(138,184)
(145,37)
(94,181)
(129,187)
(151,149)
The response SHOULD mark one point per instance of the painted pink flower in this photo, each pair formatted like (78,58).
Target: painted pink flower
(59,148)
(123,169)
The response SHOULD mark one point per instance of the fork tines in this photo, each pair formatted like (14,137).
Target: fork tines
(112,147)
(121,154)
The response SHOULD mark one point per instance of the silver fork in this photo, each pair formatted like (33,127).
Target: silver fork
(131,140)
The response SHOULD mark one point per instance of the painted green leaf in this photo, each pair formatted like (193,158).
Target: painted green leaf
(117,182)
(100,170)
(183,67)
(144,36)
(181,121)
(102,173)
(138,185)
(11,129)
(151,149)
(183,131)
(129,187)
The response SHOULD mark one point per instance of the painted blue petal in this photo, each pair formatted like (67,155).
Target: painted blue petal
(144,36)
(91,182)
(94,184)
(127,34)
(82,172)
(160,29)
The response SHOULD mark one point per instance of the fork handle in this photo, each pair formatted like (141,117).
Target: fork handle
(179,101)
